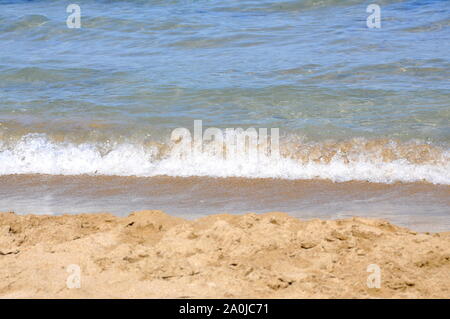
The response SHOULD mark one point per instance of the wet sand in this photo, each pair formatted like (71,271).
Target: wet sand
(417,206)
(151,254)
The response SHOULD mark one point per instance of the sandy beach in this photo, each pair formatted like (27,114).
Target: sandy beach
(225,149)
(150,254)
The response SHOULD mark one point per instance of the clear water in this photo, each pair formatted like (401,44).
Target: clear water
(146,67)
(103,99)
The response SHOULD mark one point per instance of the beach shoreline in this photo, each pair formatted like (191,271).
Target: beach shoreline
(151,254)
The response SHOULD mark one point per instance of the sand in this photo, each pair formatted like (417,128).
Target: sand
(151,254)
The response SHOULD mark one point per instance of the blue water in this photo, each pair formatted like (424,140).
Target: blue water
(136,70)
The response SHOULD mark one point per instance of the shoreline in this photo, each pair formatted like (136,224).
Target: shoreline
(151,254)
(417,206)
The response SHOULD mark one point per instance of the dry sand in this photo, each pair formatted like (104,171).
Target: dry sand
(151,254)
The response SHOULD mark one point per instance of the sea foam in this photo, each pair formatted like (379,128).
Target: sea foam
(37,154)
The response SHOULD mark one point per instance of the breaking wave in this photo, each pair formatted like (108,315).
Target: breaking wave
(380,161)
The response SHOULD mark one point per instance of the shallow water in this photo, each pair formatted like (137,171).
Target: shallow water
(419,206)
(351,103)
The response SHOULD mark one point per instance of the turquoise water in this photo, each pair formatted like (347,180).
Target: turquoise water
(92,100)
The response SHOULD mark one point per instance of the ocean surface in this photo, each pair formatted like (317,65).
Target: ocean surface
(86,114)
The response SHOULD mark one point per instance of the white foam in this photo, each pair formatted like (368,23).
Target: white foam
(36,154)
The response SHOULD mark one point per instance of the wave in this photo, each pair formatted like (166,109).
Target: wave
(380,161)
(27,22)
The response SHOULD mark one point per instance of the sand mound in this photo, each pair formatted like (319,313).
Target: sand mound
(150,254)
